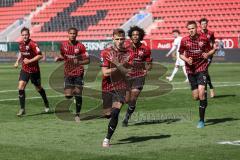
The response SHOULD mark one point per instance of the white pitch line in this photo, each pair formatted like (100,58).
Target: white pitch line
(14,90)
(212,82)
(15,99)
(224,85)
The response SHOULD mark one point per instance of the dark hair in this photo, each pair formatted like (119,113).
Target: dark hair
(136,28)
(25,29)
(203,20)
(118,31)
(191,22)
(73,28)
(176,30)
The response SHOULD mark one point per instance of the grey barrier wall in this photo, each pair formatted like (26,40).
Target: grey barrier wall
(229,55)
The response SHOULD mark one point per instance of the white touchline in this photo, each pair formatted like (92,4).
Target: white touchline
(15,99)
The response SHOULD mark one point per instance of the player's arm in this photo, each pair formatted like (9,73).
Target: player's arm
(18,59)
(83,57)
(105,65)
(108,71)
(58,58)
(119,66)
(173,49)
(148,59)
(182,54)
(34,59)
(84,62)
(212,40)
(37,52)
(209,51)
(148,66)
(184,58)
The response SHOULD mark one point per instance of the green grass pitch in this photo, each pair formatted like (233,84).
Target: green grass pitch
(163,127)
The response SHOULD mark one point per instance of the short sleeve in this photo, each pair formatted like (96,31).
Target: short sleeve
(62,49)
(212,38)
(182,47)
(83,52)
(208,46)
(148,53)
(36,49)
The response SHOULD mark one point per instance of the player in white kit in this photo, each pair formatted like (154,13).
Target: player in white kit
(179,61)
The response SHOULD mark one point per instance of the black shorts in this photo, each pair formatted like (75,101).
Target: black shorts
(72,82)
(34,77)
(136,83)
(113,96)
(197,79)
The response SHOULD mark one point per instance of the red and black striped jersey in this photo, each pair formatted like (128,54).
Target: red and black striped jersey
(139,56)
(71,52)
(116,81)
(29,50)
(195,47)
(210,36)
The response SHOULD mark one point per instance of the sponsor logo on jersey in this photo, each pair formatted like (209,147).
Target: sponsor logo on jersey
(71,56)
(25,53)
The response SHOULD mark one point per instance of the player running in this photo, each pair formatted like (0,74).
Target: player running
(141,63)
(195,50)
(210,36)
(74,55)
(30,54)
(114,61)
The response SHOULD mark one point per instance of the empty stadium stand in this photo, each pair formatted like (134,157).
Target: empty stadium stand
(223,16)
(96,19)
(12,10)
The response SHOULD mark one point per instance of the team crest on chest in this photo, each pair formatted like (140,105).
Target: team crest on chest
(76,50)
(140,53)
(27,47)
(200,43)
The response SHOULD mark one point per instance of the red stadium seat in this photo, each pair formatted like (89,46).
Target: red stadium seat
(176,13)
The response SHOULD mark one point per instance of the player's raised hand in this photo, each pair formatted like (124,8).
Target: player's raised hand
(113,59)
